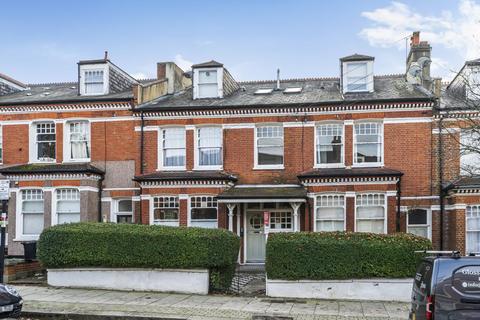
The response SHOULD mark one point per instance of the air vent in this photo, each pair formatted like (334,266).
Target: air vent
(264,91)
(293,90)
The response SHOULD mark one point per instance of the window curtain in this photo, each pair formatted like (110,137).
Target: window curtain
(210,146)
(370,219)
(79,140)
(174,147)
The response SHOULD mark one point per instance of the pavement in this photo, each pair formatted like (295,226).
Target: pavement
(42,300)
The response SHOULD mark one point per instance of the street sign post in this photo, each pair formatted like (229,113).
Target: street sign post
(4,196)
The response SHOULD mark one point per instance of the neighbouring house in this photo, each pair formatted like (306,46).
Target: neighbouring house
(357,152)
(69,150)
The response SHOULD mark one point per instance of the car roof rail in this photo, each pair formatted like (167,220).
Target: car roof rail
(453,253)
(473,254)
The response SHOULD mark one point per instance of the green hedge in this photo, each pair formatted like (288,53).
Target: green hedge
(141,246)
(342,255)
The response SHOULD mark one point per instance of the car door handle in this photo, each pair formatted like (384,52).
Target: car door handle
(469,300)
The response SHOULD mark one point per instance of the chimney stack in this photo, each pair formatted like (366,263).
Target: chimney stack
(106,55)
(419,57)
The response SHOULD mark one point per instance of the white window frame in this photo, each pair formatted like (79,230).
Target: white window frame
(384,205)
(382,141)
(19,236)
(429,221)
(197,165)
(33,146)
(94,67)
(196,77)
(468,250)
(467,158)
(170,222)
(67,141)
(190,207)
(369,76)
(317,205)
(340,164)
(255,148)
(160,140)
(116,209)
(54,204)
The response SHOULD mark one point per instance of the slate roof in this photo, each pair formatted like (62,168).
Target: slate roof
(474,62)
(464,183)
(51,168)
(244,192)
(186,175)
(58,92)
(315,91)
(9,79)
(352,172)
(356,57)
(208,64)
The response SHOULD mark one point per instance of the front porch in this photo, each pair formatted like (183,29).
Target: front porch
(254,211)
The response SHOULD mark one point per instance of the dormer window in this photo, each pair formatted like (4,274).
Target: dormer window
(357,73)
(94,79)
(207,84)
(357,76)
(94,82)
(208,80)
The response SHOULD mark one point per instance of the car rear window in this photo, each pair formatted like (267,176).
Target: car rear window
(423,276)
(467,279)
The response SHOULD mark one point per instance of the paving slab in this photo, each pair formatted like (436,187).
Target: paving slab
(88,303)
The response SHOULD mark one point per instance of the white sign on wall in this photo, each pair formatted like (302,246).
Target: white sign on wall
(4,189)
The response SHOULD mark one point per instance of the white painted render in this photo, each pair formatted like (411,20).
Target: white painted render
(363,289)
(191,281)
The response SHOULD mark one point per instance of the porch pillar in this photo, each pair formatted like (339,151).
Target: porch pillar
(231,207)
(295,206)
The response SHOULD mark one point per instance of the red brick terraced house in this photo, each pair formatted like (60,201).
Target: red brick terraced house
(349,153)
(358,152)
(64,145)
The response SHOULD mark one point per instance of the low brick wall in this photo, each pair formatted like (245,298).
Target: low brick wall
(17,269)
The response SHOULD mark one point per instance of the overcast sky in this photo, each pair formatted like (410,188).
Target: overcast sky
(41,41)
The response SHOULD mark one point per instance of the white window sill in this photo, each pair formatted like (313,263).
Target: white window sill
(26,238)
(42,162)
(76,160)
(272,167)
(367,164)
(329,166)
(216,168)
(171,168)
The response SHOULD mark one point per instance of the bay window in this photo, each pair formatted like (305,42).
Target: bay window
(269,142)
(418,222)
(166,211)
(472,227)
(330,213)
(45,142)
(68,206)
(370,213)
(124,211)
(203,211)
(32,211)
(172,142)
(78,141)
(368,141)
(329,144)
(209,147)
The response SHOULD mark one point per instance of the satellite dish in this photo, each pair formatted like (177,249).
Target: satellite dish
(414,72)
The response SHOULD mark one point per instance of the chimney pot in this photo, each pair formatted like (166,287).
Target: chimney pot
(415,38)
(106,55)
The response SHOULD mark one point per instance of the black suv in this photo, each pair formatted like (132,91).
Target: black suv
(446,287)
